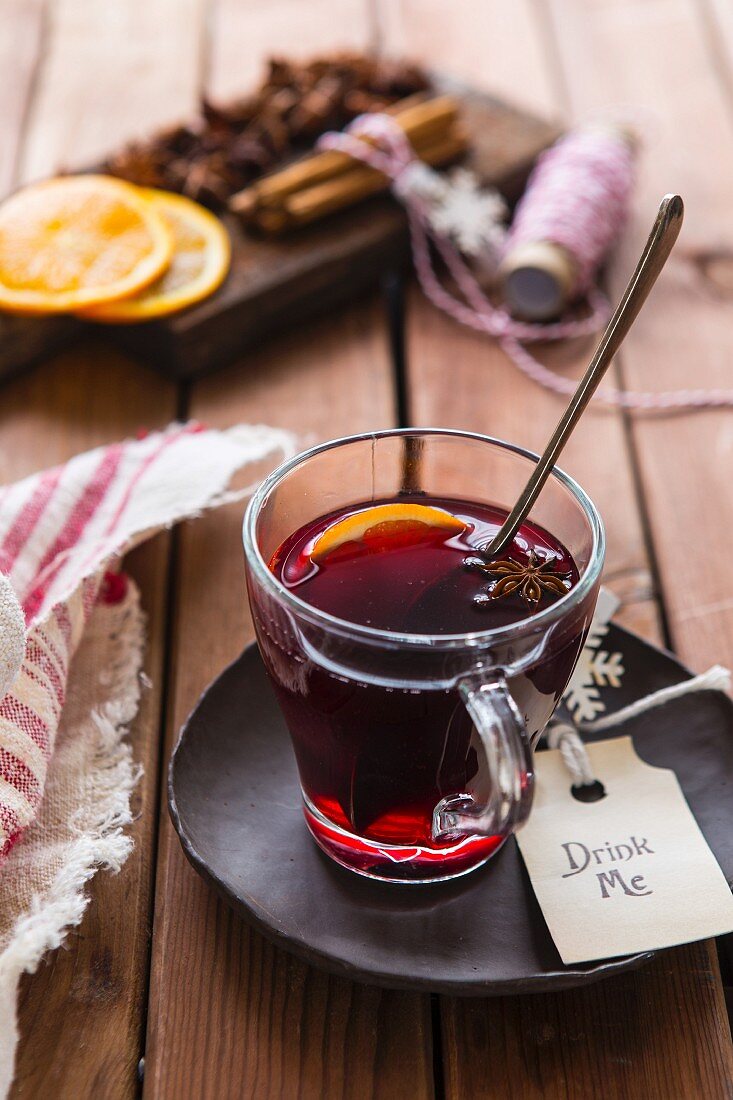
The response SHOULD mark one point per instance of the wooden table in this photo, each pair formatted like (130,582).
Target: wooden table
(161,982)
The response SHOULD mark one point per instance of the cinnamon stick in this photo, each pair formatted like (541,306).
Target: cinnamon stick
(252,210)
(421,120)
(360,182)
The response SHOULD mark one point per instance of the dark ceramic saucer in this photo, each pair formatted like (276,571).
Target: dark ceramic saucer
(234,799)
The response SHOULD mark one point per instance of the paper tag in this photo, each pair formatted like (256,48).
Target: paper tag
(631,872)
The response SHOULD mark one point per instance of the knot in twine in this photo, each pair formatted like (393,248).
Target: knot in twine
(378,141)
(566,737)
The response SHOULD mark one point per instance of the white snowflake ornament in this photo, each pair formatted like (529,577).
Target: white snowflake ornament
(473,217)
(457,207)
(596,667)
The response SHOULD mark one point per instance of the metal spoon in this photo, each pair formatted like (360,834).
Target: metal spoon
(656,251)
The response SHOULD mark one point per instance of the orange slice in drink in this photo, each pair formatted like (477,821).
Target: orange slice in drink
(77,241)
(405,523)
(200,261)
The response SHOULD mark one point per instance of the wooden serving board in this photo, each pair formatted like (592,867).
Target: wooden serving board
(289,279)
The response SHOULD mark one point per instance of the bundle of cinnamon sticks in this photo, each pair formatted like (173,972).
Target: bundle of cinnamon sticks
(323,183)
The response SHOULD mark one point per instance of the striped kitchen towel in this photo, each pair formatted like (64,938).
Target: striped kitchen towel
(65,772)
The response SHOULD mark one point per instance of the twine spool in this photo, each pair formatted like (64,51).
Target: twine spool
(378,141)
(573,209)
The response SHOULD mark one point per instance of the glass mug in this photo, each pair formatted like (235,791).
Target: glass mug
(415,751)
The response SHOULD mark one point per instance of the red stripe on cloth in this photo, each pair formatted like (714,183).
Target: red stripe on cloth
(15,772)
(36,656)
(72,531)
(25,522)
(27,721)
(61,663)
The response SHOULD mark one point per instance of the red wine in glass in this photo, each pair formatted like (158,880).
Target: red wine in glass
(375,758)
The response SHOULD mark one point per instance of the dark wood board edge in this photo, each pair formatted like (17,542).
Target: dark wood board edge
(305,275)
(201,341)
(328,264)
(25,343)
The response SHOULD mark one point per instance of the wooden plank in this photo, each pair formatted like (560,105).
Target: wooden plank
(322,257)
(245,35)
(684,337)
(493,46)
(80,1014)
(684,462)
(112,71)
(716,24)
(20,57)
(620,1039)
(264,1024)
(490,1048)
(258,1022)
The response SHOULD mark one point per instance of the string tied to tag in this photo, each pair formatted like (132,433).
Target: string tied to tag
(567,738)
(563,736)
(716,678)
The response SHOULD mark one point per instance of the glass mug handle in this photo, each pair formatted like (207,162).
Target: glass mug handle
(508,755)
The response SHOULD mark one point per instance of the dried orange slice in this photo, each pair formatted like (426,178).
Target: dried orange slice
(200,261)
(385,519)
(76,241)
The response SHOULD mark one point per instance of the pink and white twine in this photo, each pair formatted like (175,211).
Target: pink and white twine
(588,162)
(595,163)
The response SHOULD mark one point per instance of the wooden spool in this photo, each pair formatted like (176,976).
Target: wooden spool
(538,278)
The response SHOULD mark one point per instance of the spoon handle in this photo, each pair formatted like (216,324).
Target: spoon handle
(656,251)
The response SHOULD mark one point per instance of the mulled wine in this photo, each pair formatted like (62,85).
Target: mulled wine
(378,750)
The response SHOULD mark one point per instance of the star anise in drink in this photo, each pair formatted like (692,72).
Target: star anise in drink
(527,579)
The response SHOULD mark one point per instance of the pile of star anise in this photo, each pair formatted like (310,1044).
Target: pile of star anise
(230,146)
